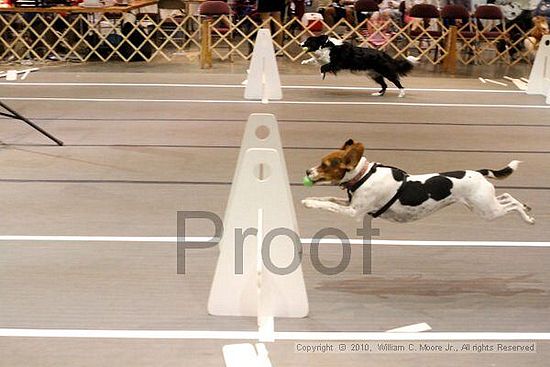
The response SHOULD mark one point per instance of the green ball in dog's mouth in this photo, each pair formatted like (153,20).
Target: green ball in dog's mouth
(307,181)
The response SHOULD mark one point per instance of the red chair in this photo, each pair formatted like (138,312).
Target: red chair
(170,15)
(369,6)
(466,36)
(426,12)
(491,30)
(364,9)
(214,8)
(492,14)
(428,38)
(451,13)
(454,12)
(488,12)
(213,11)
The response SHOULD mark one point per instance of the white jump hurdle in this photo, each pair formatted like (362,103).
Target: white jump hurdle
(539,79)
(263,81)
(260,198)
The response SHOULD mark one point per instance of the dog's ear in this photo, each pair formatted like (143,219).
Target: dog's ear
(323,38)
(347,144)
(353,155)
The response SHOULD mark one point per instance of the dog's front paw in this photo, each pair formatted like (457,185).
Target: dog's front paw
(304,62)
(309,203)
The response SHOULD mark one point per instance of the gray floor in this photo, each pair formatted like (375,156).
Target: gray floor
(129,166)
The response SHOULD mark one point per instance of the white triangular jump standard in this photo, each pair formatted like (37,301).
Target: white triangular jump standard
(263,81)
(539,79)
(260,198)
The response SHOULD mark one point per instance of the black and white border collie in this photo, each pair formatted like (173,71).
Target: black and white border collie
(334,55)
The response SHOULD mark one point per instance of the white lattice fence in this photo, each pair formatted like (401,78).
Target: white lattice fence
(388,36)
(87,37)
(475,45)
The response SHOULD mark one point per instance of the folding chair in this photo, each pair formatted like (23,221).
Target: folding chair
(427,30)
(457,15)
(219,13)
(491,26)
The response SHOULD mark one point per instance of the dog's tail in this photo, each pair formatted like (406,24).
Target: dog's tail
(500,174)
(404,66)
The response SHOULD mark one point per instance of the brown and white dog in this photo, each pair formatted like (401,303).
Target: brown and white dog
(540,28)
(392,194)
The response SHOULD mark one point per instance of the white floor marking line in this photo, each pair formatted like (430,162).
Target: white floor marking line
(416,104)
(341,103)
(124,100)
(99,238)
(253,335)
(438,90)
(138,85)
(329,241)
(232,86)
(130,334)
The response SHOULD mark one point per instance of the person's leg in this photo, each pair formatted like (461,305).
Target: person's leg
(339,13)
(329,16)
(276,28)
(284,10)
(350,15)
(265,17)
(276,15)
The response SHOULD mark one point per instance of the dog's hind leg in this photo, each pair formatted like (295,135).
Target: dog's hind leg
(380,80)
(495,210)
(507,199)
(395,80)
(485,204)
(520,208)
(328,68)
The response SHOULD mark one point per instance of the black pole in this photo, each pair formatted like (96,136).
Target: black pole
(17,116)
